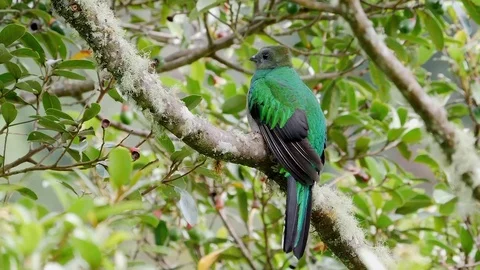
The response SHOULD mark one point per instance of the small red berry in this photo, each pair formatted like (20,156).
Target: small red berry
(219,203)
(135,153)
(256,204)
(157,213)
(105,123)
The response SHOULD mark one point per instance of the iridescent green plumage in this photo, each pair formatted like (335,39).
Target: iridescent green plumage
(287,114)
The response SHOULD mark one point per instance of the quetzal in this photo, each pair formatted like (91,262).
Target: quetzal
(289,118)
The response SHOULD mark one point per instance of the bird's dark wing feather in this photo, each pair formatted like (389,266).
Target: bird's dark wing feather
(289,144)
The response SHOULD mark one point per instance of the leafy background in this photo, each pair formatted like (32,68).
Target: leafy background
(88,182)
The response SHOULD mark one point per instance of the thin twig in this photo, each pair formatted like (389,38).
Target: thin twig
(231,65)
(241,245)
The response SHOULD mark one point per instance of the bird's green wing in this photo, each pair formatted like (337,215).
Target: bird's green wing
(274,108)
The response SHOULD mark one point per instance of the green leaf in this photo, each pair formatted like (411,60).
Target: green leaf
(44,38)
(31,233)
(58,113)
(52,125)
(161,233)
(120,167)
(472,10)
(51,101)
(440,87)
(5,4)
(166,142)
(5,56)
(37,87)
(379,79)
(442,245)
(415,203)
(37,136)
(25,53)
(441,196)
(466,240)
(117,209)
(76,64)
(192,101)
(362,144)
(69,75)
(402,115)
(383,221)
(193,86)
(234,104)
(178,156)
(398,48)
(412,136)
(86,132)
(187,206)
(11,33)
(14,69)
(89,251)
(448,208)
(242,204)
(26,87)
(91,112)
(374,168)
(351,97)
(361,204)
(20,189)
(347,120)
(434,29)
(428,160)
(57,40)
(394,133)
(41,14)
(379,110)
(457,110)
(197,72)
(30,41)
(113,93)
(339,138)
(9,112)
(404,150)
(7,78)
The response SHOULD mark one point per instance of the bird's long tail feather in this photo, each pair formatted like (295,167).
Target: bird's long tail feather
(297,217)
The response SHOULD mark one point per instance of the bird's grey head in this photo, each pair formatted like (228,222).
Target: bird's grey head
(272,57)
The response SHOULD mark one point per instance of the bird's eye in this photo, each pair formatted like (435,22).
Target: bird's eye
(265,56)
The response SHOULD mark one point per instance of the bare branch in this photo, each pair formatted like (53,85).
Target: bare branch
(231,65)
(64,88)
(148,31)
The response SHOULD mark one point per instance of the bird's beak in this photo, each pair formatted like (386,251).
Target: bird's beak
(254,58)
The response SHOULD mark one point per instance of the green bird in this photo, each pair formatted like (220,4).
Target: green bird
(288,116)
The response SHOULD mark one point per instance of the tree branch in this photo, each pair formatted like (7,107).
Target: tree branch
(63,88)
(454,143)
(97,25)
(185,57)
